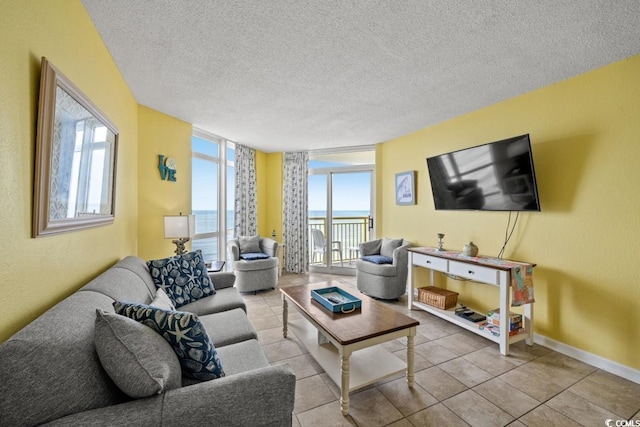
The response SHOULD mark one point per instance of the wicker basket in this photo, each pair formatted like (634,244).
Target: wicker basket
(438,297)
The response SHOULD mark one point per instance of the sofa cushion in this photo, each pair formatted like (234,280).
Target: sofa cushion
(255,265)
(128,279)
(229,327)
(389,245)
(186,334)
(388,270)
(378,259)
(223,300)
(183,277)
(138,267)
(137,359)
(238,358)
(243,356)
(249,244)
(249,256)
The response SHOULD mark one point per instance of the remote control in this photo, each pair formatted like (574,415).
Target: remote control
(334,300)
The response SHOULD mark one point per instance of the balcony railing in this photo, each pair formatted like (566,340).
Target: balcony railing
(350,231)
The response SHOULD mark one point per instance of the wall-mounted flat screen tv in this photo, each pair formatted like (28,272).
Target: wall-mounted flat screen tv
(498,176)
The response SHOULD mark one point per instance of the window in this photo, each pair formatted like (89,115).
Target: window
(88,190)
(212,193)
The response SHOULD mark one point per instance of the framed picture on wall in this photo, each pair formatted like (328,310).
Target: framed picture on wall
(405,188)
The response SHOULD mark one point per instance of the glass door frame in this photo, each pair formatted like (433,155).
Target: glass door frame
(329,266)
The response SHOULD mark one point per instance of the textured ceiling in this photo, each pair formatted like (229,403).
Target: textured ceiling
(285,75)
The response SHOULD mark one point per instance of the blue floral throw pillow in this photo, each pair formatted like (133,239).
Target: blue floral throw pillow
(378,259)
(183,278)
(186,334)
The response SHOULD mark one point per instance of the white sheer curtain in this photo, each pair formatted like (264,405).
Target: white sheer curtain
(295,212)
(246,219)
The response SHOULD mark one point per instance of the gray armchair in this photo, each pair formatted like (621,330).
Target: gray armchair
(256,274)
(384,281)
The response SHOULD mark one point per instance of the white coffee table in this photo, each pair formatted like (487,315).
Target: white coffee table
(347,346)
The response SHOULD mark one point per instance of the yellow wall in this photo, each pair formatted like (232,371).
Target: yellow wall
(36,273)
(273,192)
(261,193)
(585,135)
(161,134)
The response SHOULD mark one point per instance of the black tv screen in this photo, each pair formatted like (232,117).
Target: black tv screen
(498,176)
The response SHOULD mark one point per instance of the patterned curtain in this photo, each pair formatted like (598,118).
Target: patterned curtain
(246,220)
(295,214)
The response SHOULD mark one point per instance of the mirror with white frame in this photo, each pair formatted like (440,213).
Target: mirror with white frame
(75,168)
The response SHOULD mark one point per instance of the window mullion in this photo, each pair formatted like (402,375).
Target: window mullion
(222,199)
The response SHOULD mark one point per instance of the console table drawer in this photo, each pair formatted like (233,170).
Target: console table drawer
(474,272)
(431,262)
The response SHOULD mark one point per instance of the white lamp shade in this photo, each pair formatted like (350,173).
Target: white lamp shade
(179,226)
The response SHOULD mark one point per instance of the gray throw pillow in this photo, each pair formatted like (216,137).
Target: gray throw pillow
(136,358)
(389,245)
(249,244)
(185,333)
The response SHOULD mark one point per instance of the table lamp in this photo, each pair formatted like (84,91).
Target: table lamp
(181,228)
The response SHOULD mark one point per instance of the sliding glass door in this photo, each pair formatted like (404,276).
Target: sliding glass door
(318,190)
(341,214)
(351,213)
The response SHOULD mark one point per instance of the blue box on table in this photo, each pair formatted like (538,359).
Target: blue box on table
(336,300)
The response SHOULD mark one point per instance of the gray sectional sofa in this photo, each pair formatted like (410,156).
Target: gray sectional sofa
(50,372)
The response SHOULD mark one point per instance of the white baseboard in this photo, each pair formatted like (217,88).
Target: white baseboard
(586,357)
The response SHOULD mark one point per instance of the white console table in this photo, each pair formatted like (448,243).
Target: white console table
(466,268)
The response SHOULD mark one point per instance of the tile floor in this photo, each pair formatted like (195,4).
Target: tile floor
(461,378)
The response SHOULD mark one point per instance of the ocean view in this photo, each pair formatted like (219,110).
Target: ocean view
(322,214)
(207,221)
(345,229)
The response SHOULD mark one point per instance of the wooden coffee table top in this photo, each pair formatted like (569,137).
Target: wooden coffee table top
(372,320)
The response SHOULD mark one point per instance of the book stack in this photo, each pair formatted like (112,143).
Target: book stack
(492,329)
(493,323)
